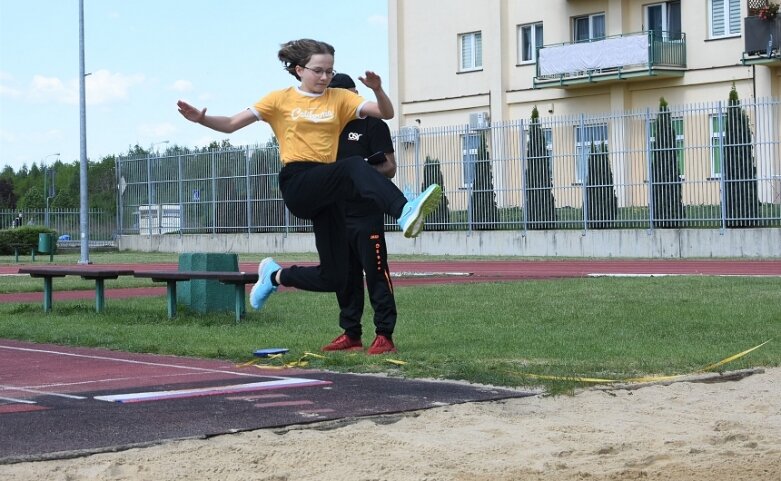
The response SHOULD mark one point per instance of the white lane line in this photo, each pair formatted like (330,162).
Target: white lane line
(209,391)
(597,274)
(131,361)
(6,387)
(98,381)
(13,400)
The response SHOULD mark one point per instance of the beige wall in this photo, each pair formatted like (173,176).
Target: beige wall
(428,87)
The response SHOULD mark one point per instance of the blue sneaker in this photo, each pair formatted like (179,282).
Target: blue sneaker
(415,211)
(263,288)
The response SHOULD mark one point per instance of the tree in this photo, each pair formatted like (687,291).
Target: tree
(102,185)
(32,199)
(600,196)
(540,205)
(739,169)
(439,219)
(666,194)
(64,199)
(7,195)
(485,213)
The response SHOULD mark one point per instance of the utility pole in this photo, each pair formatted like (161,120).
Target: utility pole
(47,188)
(83,197)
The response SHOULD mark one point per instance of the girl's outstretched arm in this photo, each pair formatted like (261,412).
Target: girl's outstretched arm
(216,122)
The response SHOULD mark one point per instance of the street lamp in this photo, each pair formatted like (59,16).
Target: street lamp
(47,187)
(152,146)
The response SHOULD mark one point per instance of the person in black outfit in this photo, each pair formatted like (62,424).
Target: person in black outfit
(368,138)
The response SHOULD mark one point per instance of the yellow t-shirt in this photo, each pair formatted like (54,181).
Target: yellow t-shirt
(307,126)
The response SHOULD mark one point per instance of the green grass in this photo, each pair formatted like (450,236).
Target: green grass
(492,333)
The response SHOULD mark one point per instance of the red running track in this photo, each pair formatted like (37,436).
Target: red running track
(439,272)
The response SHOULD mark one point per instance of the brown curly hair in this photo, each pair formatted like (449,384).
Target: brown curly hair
(299,52)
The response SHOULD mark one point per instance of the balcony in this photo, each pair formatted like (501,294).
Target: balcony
(633,56)
(762,40)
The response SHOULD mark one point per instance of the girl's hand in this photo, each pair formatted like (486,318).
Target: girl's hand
(191,113)
(371,80)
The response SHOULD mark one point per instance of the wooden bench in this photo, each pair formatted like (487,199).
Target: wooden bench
(97,274)
(237,279)
(21,248)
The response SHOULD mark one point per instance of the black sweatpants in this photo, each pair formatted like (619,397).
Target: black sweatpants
(316,191)
(368,253)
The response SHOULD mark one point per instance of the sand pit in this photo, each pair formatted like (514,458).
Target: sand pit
(683,431)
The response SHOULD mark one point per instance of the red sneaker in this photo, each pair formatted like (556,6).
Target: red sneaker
(381,345)
(344,343)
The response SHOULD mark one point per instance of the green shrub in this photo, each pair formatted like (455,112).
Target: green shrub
(26,236)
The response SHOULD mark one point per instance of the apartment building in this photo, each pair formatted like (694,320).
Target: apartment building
(501,58)
(490,62)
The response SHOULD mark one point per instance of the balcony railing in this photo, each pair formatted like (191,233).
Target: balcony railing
(634,55)
(762,40)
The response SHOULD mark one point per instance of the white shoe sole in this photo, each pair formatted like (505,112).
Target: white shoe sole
(429,204)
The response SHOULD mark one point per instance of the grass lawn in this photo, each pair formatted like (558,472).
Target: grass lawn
(491,333)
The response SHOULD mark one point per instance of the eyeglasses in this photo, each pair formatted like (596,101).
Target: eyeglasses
(319,72)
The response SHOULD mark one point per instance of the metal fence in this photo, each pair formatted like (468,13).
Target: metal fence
(715,165)
(66,223)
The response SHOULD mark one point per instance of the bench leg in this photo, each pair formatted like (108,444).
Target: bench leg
(171,288)
(47,294)
(99,295)
(240,310)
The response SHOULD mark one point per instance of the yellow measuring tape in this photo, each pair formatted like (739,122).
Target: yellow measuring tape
(300,363)
(652,378)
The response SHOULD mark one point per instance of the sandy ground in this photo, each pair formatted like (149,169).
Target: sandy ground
(683,431)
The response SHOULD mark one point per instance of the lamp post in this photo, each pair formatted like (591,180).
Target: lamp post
(47,187)
(154,144)
(83,185)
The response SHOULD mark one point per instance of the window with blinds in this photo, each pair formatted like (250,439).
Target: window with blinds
(724,18)
(471,51)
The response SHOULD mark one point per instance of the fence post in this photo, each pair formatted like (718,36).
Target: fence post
(722,185)
(524,166)
(212,156)
(649,163)
(179,168)
(584,180)
(149,193)
(471,185)
(118,178)
(247,156)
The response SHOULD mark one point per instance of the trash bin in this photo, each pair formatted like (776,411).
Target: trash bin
(46,244)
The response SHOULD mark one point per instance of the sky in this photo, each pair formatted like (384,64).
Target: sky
(141,56)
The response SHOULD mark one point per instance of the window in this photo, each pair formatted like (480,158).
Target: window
(587,138)
(590,27)
(529,40)
(677,124)
(716,138)
(471,51)
(664,19)
(724,18)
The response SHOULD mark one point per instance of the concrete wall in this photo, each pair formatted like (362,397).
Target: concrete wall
(687,243)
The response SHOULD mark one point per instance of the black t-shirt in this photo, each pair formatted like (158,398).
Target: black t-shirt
(364,137)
